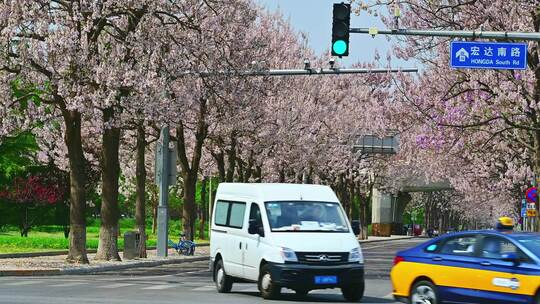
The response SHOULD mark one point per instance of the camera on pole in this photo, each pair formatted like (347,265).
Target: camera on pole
(340,29)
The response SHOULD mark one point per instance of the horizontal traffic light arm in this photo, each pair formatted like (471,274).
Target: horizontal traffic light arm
(296,72)
(452,34)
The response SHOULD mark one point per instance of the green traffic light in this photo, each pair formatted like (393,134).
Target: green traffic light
(339,47)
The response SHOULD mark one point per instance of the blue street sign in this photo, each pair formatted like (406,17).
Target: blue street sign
(488,55)
(523,212)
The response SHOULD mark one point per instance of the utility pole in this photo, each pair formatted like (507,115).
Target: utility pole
(165,163)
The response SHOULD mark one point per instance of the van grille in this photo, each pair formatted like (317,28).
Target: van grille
(322,258)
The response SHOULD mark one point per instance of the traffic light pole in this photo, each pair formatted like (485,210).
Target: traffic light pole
(451,34)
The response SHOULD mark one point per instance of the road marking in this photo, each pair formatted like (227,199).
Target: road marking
(22,283)
(119,285)
(68,284)
(158,287)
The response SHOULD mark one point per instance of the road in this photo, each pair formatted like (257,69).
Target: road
(185,283)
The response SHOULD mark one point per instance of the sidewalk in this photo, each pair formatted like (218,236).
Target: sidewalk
(57,265)
(372,239)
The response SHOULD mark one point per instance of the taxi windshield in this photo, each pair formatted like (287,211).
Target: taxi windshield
(306,217)
(530,242)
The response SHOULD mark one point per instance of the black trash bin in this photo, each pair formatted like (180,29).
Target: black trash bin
(131,245)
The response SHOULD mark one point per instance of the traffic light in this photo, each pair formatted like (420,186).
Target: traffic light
(340,29)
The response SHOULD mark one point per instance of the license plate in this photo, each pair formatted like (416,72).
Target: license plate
(324,280)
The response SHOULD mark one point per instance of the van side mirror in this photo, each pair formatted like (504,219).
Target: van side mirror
(511,257)
(355,224)
(255,228)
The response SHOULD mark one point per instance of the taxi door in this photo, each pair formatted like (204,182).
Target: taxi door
(455,274)
(502,282)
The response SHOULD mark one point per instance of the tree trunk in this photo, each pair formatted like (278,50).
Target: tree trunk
(190,170)
(220,163)
(282,175)
(231,157)
(258,174)
(351,200)
(248,172)
(203,212)
(108,232)
(365,211)
(188,214)
(154,218)
(140,203)
(24,226)
(240,171)
(77,194)
(362,215)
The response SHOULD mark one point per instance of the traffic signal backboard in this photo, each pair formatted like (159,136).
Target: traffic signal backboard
(340,29)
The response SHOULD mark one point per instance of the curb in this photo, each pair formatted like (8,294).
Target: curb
(61,252)
(387,240)
(98,269)
(28,273)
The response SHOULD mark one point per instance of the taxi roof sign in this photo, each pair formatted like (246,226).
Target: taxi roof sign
(505,223)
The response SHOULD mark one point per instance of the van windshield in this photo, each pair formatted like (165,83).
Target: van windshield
(301,216)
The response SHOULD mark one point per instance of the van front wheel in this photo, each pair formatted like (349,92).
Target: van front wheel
(268,289)
(353,293)
(223,281)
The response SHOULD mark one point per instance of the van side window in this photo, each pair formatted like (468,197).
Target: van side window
(222,208)
(236,219)
(255,214)
(230,214)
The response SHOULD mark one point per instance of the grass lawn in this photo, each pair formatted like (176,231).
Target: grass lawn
(51,238)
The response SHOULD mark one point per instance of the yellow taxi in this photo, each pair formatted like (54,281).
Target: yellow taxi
(491,266)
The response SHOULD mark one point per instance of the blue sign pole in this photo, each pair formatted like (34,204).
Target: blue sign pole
(488,55)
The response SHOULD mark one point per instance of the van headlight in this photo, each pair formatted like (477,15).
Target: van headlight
(356,256)
(288,255)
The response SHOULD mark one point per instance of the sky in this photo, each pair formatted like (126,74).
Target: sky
(314,17)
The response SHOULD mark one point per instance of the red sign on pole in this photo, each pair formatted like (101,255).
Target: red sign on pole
(531,195)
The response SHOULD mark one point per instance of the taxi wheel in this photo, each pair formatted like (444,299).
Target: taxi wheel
(223,281)
(424,292)
(268,289)
(353,293)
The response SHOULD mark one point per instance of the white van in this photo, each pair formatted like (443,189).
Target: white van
(284,235)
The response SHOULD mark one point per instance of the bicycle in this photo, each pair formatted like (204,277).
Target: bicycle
(184,246)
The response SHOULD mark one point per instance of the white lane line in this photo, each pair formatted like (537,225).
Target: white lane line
(158,287)
(22,283)
(68,284)
(205,288)
(119,285)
